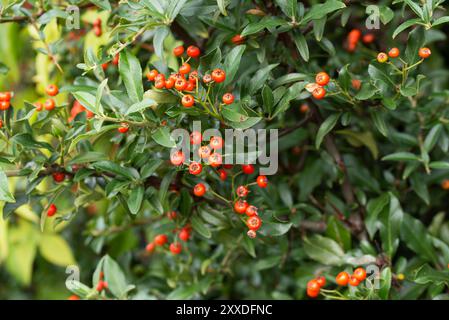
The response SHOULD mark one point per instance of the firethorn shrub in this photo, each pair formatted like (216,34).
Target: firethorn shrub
(90,174)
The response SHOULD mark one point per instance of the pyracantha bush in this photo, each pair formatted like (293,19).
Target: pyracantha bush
(91,178)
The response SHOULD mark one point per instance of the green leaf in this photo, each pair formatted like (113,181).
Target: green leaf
(109,166)
(324,250)
(390,223)
(366,92)
(103,4)
(199,227)
(427,274)
(275,229)
(5,194)
(150,167)
(338,232)
(115,278)
(232,63)
(139,106)
(158,40)
(222,6)
(401,156)
(405,25)
(131,74)
(379,122)
(260,78)
(373,210)
(90,156)
(162,136)
(416,237)
(301,45)
(27,141)
(432,137)
(266,22)
(55,250)
(319,11)
(441,20)
(325,128)
(385,278)
(267,98)
(439,165)
(87,99)
(248,245)
(98,106)
(135,199)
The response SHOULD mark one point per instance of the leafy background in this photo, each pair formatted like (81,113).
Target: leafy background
(359,177)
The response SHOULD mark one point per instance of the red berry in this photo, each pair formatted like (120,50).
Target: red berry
(254,223)
(393,53)
(240,206)
(313,293)
(116,59)
(178,51)
(319,93)
(152,75)
(97,22)
(228,98)
(207,78)
(196,137)
(228,166)
(193,77)
(51,210)
(193,52)
(238,39)
(185,68)
(382,57)
(184,235)
(199,190)
(251,211)
(49,104)
(180,84)
(424,53)
(342,278)
(159,84)
(195,168)
(58,176)
(52,90)
(353,281)
(262,181)
(97,31)
(223,174)
(204,152)
(172,215)
(321,281)
(5,96)
(124,127)
(4,105)
(150,247)
(313,285)
(218,75)
(322,78)
(73,297)
(1,124)
(215,160)
(160,239)
(242,191)
(216,143)
(368,38)
(248,169)
(169,83)
(190,86)
(251,233)
(187,101)
(177,158)
(175,248)
(359,274)
(354,36)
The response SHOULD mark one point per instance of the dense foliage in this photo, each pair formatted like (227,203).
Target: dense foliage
(358,94)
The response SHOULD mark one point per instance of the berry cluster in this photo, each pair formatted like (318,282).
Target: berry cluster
(314,286)
(354,37)
(49,104)
(5,100)
(317,88)
(382,57)
(161,240)
(78,108)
